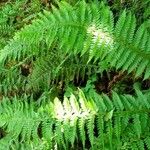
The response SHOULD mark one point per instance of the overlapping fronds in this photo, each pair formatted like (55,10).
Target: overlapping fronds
(131,51)
(107,123)
(85,31)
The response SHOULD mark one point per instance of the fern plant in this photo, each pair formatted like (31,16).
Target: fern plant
(66,35)
(70,44)
(121,122)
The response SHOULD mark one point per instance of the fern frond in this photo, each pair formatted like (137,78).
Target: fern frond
(100,127)
(147,142)
(81,127)
(47,132)
(90,128)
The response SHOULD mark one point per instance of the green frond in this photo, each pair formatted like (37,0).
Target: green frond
(141,145)
(110,134)
(100,127)
(90,129)
(147,142)
(81,127)
(117,101)
(137,125)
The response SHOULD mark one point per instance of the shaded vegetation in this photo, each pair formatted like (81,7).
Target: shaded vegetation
(75,74)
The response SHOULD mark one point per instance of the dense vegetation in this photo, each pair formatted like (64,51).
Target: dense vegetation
(75,75)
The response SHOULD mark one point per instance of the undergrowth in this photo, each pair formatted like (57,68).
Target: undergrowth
(75,75)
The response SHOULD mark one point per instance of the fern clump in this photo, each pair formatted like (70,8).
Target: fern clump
(84,32)
(118,122)
(68,47)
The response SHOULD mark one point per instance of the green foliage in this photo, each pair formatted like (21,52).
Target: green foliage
(62,44)
(14,15)
(120,122)
(138,7)
(61,49)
